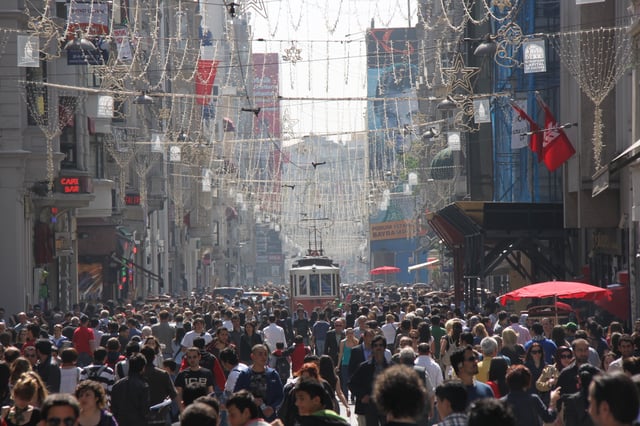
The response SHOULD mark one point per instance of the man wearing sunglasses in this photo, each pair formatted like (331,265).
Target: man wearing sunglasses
(60,409)
(465,364)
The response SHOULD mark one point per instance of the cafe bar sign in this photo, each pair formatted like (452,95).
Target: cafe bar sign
(74,185)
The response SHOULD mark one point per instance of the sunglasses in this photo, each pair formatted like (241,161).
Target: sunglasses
(55,421)
(536,352)
(471,358)
(565,356)
(378,345)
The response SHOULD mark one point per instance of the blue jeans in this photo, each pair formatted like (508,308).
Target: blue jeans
(320,347)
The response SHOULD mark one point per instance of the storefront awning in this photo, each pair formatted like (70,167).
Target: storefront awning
(423,265)
(601,177)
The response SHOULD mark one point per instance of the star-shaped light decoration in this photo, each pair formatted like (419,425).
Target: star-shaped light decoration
(258,6)
(459,76)
(292,54)
(288,123)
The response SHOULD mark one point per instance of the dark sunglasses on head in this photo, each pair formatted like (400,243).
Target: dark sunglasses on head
(56,421)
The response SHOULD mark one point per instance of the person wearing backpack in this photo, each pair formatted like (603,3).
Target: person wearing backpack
(99,371)
(281,362)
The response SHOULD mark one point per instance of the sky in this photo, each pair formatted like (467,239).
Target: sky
(331,39)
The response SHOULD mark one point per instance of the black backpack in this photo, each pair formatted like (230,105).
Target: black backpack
(283,367)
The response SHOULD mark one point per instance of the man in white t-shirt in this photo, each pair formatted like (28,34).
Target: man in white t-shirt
(198,331)
(273,334)
(389,330)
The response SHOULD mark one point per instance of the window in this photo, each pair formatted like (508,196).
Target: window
(314,281)
(325,286)
(97,152)
(302,286)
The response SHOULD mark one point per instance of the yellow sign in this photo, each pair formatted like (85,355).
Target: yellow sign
(392,230)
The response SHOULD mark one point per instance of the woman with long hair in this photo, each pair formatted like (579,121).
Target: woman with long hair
(549,376)
(498,376)
(176,345)
(449,343)
(154,343)
(93,405)
(247,341)
(510,347)
(479,332)
(16,369)
(344,355)
(534,361)
(22,413)
(328,373)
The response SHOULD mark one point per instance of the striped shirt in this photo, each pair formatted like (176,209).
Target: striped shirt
(100,373)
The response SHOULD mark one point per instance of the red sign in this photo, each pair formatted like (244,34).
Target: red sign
(70,185)
(132,200)
(74,185)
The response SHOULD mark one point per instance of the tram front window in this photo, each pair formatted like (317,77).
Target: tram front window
(302,288)
(314,281)
(326,285)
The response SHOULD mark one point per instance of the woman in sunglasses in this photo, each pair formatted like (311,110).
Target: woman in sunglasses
(534,361)
(549,376)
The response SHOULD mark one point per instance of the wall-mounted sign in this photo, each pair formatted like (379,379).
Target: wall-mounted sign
(74,185)
(535,58)
(132,199)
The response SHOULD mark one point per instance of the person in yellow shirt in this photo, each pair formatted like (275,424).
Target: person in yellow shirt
(489,347)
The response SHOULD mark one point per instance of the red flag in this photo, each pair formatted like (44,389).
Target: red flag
(556,147)
(535,140)
(205,76)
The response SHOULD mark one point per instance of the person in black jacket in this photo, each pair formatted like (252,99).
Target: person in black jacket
(47,368)
(361,383)
(576,404)
(130,395)
(334,337)
(361,353)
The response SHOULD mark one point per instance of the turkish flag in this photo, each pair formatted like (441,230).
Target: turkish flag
(535,140)
(556,147)
(205,76)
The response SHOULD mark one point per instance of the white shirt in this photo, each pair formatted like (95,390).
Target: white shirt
(187,340)
(389,331)
(230,385)
(273,334)
(615,365)
(433,369)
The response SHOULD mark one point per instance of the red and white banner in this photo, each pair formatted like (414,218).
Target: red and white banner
(556,147)
(205,76)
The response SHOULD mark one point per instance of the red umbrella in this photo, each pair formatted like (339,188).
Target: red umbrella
(384,270)
(559,290)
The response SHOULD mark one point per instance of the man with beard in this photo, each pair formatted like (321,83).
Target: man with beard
(465,364)
(568,379)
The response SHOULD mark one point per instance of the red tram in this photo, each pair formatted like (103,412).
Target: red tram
(314,280)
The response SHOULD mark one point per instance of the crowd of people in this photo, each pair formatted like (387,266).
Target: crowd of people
(244,362)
